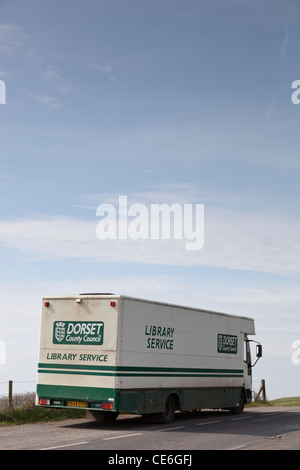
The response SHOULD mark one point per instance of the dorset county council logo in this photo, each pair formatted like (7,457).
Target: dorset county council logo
(59,331)
(81,332)
(227,344)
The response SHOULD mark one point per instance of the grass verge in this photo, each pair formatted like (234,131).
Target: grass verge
(290,401)
(29,413)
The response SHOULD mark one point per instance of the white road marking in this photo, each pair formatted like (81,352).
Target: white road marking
(243,417)
(124,435)
(64,445)
(237,447)
(209,422)
(171,429)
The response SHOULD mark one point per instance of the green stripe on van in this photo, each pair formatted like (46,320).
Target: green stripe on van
(118,371)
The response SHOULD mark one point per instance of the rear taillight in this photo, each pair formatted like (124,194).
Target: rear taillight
(44,401)
(107,406)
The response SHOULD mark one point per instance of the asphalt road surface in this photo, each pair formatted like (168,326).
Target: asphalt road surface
(264,428)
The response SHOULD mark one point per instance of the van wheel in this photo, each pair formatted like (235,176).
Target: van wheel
(169,413)
(237,410)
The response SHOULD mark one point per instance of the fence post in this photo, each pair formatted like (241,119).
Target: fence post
(10,394)
(263,388)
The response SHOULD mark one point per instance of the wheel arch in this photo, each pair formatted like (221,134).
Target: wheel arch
(176,399)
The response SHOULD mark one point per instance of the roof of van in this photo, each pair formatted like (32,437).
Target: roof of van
(121,296)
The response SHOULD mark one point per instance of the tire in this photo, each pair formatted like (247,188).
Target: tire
(169,413)
(237,410)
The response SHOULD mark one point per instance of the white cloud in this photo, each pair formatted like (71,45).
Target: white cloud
(10,37)
(52,77)
(48,102)
(107,70)
(104,68)
(234,239)
(48,238)
(257,241)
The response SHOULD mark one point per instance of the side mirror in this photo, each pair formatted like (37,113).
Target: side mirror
(258,350)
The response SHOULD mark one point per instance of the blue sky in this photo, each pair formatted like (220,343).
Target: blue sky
(162,101)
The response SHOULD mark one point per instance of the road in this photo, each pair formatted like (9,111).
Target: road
(257,428)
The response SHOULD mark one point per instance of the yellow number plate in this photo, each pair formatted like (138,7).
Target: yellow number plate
(79,404)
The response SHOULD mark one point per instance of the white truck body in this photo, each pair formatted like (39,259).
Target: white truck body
(114,353)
